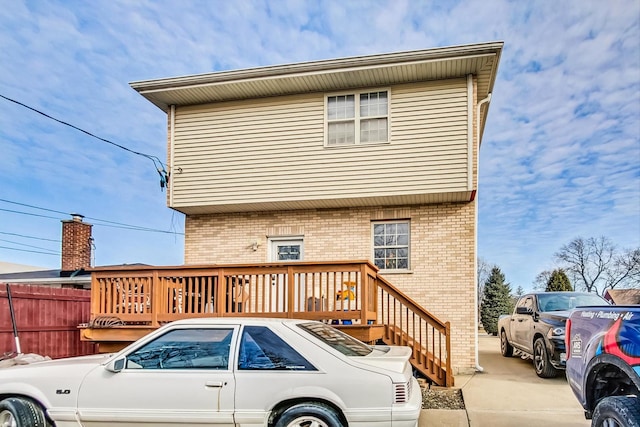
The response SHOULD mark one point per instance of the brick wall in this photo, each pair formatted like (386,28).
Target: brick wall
(442,277)
(76,244)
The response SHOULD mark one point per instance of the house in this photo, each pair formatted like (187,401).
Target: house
(369,157)
(77,245)
(623,296)
(9,267)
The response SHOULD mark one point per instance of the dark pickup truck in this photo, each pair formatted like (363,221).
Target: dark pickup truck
(603,363)
(537,326)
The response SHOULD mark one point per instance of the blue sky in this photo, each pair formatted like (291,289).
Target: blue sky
(560,155)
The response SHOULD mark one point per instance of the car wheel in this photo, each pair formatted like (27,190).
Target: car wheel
(617,411)
(505,348)
(309,415)
(15,412)
(541,363)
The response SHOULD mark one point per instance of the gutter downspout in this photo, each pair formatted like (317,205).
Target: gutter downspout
(172,135)
(475,261)
(470,132)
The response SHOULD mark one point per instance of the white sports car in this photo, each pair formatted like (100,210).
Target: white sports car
(220,372)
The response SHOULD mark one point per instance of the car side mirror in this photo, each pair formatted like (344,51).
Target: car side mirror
(524,310)
(116,365)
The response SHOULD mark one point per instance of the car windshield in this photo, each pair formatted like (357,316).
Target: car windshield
(564,302)
(336,339)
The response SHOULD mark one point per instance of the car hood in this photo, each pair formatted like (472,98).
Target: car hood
(555,317)
(392,358)
(61,368)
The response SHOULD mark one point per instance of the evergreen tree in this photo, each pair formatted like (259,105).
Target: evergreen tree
(496,301)
(558,281)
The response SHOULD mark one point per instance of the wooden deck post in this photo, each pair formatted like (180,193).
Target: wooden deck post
(364,293)
(449,381)
(221,295)
(291,284)
(156,294)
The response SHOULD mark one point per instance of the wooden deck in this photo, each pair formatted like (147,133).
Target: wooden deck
(127,303)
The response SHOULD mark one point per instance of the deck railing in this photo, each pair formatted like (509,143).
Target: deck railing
(349,292)
(407,323)
(156,295)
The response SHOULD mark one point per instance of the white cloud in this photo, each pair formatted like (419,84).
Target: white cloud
(560,155)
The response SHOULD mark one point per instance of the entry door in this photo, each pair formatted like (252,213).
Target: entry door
(287,250)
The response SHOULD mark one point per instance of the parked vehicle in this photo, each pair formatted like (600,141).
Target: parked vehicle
(221,371)
(536,328)
(603,363)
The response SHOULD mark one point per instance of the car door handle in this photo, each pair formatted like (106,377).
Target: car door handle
(217,384)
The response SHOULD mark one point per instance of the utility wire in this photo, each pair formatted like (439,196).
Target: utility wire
(28,213)
(24,244)
(107,223)
(34,207)
(126,227)
(26,250)
(30,237)
(157,163)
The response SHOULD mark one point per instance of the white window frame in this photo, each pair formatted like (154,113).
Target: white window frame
(273,241)
(408,245)
(357,118)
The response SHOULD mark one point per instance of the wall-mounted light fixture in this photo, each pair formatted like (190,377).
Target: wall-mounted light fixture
(255,244)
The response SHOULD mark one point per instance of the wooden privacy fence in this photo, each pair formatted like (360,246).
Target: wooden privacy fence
(47,320)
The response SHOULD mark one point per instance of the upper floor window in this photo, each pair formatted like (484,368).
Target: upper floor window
(391,245)
(357,118)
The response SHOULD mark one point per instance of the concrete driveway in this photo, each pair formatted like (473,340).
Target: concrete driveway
(508,393)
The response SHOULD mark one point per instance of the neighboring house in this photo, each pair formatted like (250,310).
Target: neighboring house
(75,260)
(622,296)
(8,267)
(371,157)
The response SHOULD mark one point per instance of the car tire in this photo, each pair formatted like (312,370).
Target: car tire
(305,414)
(617,411)
(21,413)
(541,362)
(505,348)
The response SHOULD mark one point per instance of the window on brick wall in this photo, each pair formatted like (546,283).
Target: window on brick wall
(391,244)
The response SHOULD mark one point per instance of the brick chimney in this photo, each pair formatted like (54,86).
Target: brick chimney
(76,245)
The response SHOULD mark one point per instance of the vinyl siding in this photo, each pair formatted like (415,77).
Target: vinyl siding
(272,150)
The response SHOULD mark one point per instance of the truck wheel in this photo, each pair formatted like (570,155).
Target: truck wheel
(617,411)
(505,348)
(17,412)
(309,414)
(541,363)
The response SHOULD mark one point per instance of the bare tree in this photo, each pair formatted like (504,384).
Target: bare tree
(484,269)
(541,280)
(595,264)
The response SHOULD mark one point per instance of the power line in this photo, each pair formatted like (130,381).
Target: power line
(29,213)
(30,237)
(157,163)
(107,223)
(26,250)
(34,207)
(24,244)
